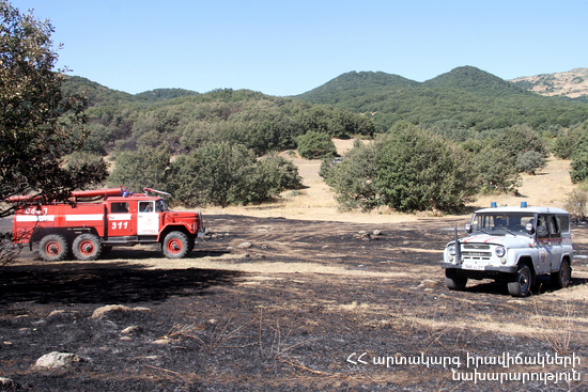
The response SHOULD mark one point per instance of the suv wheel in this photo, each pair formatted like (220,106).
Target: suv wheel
(561,278)
(520,285)
(453,281)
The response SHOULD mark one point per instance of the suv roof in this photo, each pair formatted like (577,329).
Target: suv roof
(533,210)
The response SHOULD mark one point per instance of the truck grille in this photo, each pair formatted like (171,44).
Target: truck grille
(476,246)
(477,255)
(476,252)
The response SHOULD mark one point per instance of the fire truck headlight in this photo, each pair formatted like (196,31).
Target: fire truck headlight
(500,251)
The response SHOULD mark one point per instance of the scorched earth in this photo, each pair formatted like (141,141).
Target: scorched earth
(268,304)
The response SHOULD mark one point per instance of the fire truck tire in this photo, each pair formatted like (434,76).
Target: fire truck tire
(175,245)
(53,247)
(87,247)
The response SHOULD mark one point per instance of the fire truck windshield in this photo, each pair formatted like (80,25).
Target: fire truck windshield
(160,206)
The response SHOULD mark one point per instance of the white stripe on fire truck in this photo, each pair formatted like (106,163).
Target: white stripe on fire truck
(114,217)
(82,217)
(35,218)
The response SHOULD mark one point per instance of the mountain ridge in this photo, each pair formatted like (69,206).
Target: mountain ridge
(571,84)
(468,95)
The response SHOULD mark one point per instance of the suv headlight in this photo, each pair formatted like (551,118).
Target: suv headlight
(500,251)
(451,250)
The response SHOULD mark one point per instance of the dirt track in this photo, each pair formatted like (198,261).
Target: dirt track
(301,309)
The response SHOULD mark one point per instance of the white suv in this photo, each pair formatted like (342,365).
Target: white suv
(512,245)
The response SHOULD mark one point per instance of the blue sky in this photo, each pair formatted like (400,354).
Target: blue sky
(289,47)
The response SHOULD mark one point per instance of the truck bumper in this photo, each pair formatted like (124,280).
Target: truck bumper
(491,270)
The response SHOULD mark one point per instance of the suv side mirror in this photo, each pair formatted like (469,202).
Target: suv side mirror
(468,228)
(530,229)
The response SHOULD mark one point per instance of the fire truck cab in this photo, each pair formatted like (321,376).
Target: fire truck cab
(90,223)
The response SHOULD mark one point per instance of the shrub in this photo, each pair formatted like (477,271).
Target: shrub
(577,203)
(418,171)
(146,167)
(520,139)
(409,169)
(224,174)
(579,167)
(529,162)
(494,169)
(314,145)
(352,179)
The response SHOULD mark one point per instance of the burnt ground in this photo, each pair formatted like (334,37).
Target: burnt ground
(309,306)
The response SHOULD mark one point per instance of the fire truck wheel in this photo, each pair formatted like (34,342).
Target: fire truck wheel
(175,245)
(53,247)
(87,247)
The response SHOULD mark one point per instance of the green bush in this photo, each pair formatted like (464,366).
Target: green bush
(146,167)
(224,174)
(315,145)
(419,171)
(579,167)
(519,139)
(408,169)
(529,162)
(494,169)
(352,178)
(215,173)
(577,203)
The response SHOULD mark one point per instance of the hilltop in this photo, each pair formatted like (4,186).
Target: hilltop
(572,84)
(467,95)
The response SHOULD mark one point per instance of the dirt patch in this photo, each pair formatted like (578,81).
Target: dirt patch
(549,187)
(301,309)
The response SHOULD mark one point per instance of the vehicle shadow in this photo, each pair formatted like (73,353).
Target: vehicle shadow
(153,252)
(113,283)
(543,285)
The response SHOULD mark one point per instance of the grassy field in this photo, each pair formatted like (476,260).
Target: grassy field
(316,202)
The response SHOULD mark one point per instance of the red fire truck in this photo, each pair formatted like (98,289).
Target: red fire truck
(91,222)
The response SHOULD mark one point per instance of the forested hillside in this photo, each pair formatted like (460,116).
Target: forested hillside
(218,136)
(473,98)
(218,147)
(183,120)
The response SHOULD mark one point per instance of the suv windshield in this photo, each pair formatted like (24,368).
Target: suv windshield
(501,223)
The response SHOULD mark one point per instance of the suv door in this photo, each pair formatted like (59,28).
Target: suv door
(544,245)
(555,241)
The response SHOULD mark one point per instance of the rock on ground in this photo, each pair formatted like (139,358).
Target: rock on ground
(55,360)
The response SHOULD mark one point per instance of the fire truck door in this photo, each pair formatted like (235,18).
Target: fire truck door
(120,220)
(147,219)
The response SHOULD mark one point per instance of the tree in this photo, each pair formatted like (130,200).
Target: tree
(579,167)
(143,168)
(222,174)
(352,177)
(314,145)
(418,170)
(577,203)
(519,139)
(496,173)
(408,169)
(38,125)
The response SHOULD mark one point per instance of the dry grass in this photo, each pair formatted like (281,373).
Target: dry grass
(316,202)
